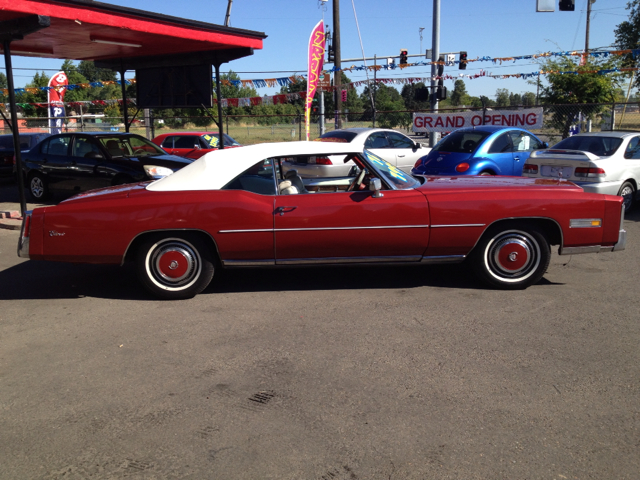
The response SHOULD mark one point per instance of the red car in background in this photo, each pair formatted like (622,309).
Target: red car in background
(193,144)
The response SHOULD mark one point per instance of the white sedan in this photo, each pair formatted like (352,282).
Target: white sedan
(394,147)
(599,162)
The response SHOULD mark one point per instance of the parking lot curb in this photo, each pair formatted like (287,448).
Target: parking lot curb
(10,220)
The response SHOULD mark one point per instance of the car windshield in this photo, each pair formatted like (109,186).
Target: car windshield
(6,142)
(212,140)
(601,146)
(392,174)
(130,146)
(461,142)
(338,136)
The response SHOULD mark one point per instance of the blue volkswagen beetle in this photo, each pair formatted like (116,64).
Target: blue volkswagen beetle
(482,150)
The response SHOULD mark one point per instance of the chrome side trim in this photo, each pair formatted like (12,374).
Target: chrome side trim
(248,263)
(348,260)
(580,250)
(443,259)
(460,225)
(23,242)
(247,231)
(318,229)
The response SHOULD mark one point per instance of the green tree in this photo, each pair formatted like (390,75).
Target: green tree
(390,103)
(39,96)
(502,97)
(528,99)
(515,99)
(577,94)
(459,95)
(628,37)
(409,93)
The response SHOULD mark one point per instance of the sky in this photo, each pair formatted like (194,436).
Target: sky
(482,28)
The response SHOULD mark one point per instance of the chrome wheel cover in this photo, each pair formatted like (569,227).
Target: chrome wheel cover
(512,256)
(173,264)
(627,194)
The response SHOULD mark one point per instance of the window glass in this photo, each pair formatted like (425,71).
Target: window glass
(130,145)
(399,141)
(257,179)
(377,140)
(391,174)
(82,146)
(596,144)
(461,142)
(502,144)
(522,141)
(58,146)
(633,149)
(168,142)
(185,142)
(339,136)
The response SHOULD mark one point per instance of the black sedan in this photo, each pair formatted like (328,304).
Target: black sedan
(75,162)
(27,142)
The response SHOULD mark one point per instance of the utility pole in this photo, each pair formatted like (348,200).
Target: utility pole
(337,75)
(227,18)
(586,42)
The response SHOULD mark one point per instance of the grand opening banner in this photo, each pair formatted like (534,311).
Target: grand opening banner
(316,60)
(530,119)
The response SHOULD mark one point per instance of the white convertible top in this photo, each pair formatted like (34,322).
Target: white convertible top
(215,169)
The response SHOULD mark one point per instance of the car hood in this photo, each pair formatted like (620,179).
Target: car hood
(171,161)
(490,182)
(118,191)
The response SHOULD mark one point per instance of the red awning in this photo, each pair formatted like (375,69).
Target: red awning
(88,30)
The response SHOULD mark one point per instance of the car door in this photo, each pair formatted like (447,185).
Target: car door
(351,227)
(56,163)
(523,145)
(406,151)
(500,153)
(378,143)
(186,146)
(88,165)
(631,161)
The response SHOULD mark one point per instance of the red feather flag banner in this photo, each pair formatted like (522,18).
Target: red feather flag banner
(316,61)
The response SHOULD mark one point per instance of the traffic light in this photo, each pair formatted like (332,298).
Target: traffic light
(331,57)
(567,5)
(403,57)
(463,61)
(441,65)
(441,91)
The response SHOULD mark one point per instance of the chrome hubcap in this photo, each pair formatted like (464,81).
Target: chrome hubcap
(512,256)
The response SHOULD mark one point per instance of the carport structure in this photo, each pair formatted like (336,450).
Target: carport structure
(119,38)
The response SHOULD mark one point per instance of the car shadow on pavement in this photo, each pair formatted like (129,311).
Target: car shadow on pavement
(50,280)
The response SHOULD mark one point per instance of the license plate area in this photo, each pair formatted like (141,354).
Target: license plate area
(556,171)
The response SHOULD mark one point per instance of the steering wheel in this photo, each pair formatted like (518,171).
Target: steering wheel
(355,185)
(139,150)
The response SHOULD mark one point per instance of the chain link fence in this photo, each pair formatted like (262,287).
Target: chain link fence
(559,122)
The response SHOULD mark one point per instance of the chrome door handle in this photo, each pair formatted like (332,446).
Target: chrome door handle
(283,210)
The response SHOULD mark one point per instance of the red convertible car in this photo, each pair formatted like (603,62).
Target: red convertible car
(235,208)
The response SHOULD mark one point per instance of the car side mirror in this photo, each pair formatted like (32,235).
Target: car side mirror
(545,144)
(375,185)
(94,155)
(197,146)
(418,145)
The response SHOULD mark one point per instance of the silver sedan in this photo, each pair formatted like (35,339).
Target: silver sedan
(599,162)
(390,145)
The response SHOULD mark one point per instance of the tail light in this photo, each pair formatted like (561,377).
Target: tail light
(320,161)
(590,172)
(418,163)
(462,167)
(530,168)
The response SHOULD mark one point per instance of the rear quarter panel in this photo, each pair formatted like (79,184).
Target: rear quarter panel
(459,218)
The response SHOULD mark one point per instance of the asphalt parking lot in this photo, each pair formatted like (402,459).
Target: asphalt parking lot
(321,374)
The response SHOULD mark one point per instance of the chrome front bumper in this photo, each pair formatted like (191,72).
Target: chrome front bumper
(23,241)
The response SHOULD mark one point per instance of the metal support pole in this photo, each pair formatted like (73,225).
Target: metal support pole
(337,76)
(321,112)
(14,121)
(125,110)
(375,89)
(219,97)
(435,54)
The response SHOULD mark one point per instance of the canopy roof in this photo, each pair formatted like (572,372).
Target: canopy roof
(88,30)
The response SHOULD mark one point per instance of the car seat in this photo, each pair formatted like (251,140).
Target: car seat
(296,181)
(286,188)
(469,146)
(113,148)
